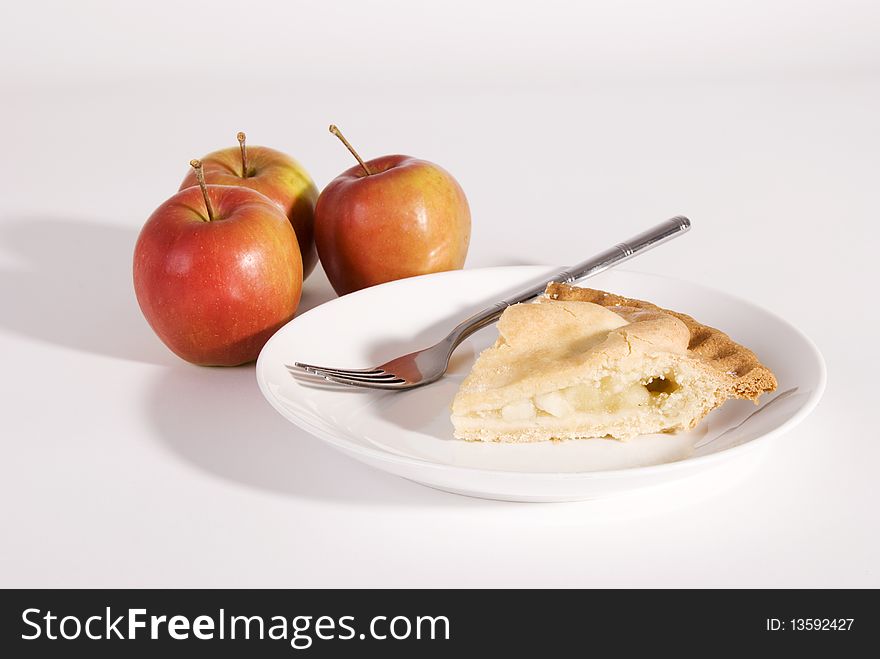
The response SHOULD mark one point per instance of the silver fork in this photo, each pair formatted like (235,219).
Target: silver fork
(428,365)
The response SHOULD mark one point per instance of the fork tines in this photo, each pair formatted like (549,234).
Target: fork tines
(376,378)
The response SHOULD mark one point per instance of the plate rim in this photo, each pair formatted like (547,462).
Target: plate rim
(375,453)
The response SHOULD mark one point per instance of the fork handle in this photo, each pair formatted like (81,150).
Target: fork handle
(602,261)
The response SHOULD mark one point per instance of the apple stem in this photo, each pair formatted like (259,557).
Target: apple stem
(244,170)
(200,176)
(338,133)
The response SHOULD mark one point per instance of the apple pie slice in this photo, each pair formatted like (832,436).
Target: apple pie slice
(583,363)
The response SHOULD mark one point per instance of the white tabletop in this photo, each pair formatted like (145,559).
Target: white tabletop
(124,466)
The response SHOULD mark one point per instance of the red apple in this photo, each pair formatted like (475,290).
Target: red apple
(390,218)
(276,175)
(217,271)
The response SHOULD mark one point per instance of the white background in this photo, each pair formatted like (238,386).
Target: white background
(570,126)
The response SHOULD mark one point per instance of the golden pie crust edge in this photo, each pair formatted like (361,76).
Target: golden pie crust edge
(748,377)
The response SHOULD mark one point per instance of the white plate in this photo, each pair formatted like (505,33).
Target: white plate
(410,434)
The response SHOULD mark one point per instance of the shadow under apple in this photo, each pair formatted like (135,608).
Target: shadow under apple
(72,286)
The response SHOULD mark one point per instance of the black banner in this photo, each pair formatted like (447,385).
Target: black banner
(316,623)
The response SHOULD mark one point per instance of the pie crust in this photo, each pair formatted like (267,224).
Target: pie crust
(749,377)
(585,363)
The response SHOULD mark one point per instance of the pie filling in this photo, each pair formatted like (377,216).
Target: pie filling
(609,396)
